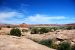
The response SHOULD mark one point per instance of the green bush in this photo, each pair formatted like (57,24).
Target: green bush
(64,46)
(15,32)
(44,30)
(73,27)
(51,29)
(63,27)
(68,27)
(8,27)
(34,31)
(47,42)
(55,28)
(54,46)
(73,47)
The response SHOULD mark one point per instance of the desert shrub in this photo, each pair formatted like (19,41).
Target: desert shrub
(24,30)
(34,31)
(68,27)
(64,46)
(63,28)
(54,46)
(73,27)
(47,42)
(44,30)
(30,28)
(50,29)
(15,32)
(8,26)
(73,47)
(53,29)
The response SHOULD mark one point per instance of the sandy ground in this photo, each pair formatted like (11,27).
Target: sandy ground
(63,34)
(68,35)
(25,42)
(17,43)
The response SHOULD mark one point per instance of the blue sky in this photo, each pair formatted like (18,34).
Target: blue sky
(37,11)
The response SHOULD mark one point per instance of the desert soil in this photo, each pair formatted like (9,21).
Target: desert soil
(18,43)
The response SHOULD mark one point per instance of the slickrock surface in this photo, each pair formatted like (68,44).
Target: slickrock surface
(19,43)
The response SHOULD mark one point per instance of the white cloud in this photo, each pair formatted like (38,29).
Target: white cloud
(8,15)
(35,19)
(4,15)
(43,19)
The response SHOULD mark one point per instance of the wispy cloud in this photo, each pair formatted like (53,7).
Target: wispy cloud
(7,14)
(4,15)
(18,17)
(42,19)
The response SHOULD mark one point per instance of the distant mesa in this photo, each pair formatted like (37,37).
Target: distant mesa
(72,24)
(24,25)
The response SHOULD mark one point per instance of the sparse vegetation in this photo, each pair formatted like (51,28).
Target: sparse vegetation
(53,29)
(15,32)
(64,46)
(73,47)
(47,42)
(68,27)
(34,31)
(54,46)
(44,30)
(8,27)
